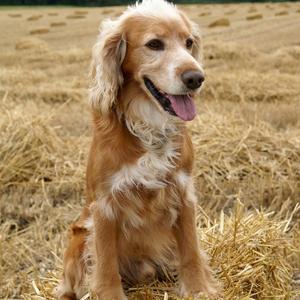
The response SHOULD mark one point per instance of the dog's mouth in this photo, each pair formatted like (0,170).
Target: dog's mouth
(181,106)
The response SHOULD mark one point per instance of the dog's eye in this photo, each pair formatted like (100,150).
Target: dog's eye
(189,43)
(155,44)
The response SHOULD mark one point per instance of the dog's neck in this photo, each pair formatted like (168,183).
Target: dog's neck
(151,138)
(145,119)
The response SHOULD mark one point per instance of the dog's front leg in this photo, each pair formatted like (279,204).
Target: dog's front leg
(107,281)
(195,274)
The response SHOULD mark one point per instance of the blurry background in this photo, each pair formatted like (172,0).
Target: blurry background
(246,138)
(111,2)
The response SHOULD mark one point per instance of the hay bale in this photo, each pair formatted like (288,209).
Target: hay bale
(230,12)
(252,9)
(34,17)
(52,14)
(39,31)
(206,13)
(81,12)
(107,11)
(58,24)
(282,13)
(75,17)
(254,17)
(15,15)
(29,43)
(284,5)
(219,22)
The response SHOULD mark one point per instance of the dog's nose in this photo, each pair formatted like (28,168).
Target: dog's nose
(192,79)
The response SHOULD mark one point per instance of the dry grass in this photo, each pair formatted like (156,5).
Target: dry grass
(52,14)
(220,22)
(247,150)
(39,30)
(254,17)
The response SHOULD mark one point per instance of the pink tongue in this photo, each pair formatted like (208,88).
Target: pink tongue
(183,105)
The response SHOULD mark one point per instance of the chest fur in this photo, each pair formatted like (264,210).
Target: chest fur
(149,172)
(144,193)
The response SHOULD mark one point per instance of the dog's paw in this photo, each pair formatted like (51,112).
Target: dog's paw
(111,294)
(112,297)
(200,289)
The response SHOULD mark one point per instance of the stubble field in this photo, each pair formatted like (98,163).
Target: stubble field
(246,137)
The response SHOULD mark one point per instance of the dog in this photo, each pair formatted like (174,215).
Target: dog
(139,217)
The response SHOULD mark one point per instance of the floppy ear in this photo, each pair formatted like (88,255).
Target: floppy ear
(197,51)
(197,47)
(108,55)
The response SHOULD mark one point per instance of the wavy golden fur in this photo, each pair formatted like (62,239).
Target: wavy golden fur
(139,217)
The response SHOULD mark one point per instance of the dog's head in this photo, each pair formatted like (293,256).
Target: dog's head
(152,55)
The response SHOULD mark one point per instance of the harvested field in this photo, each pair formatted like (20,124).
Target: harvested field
(246,139)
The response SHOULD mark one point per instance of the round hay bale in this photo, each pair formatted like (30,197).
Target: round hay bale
(107,11)
(220,22)
(230,12)
(254,17)
(268,6)
(81,12)
(284,5)
(252,9)
(206,13)
(15,15)
(282,13)
(75,17)
(58,24)
(34,17)
(39,31)
(52,14)
(30,43)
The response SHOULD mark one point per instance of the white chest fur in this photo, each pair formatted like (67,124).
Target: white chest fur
(149,171)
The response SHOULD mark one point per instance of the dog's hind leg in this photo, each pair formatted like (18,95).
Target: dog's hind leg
(72,284)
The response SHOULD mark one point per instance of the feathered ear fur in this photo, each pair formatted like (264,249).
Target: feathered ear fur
(197,47)
(197,51)
(108,55)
